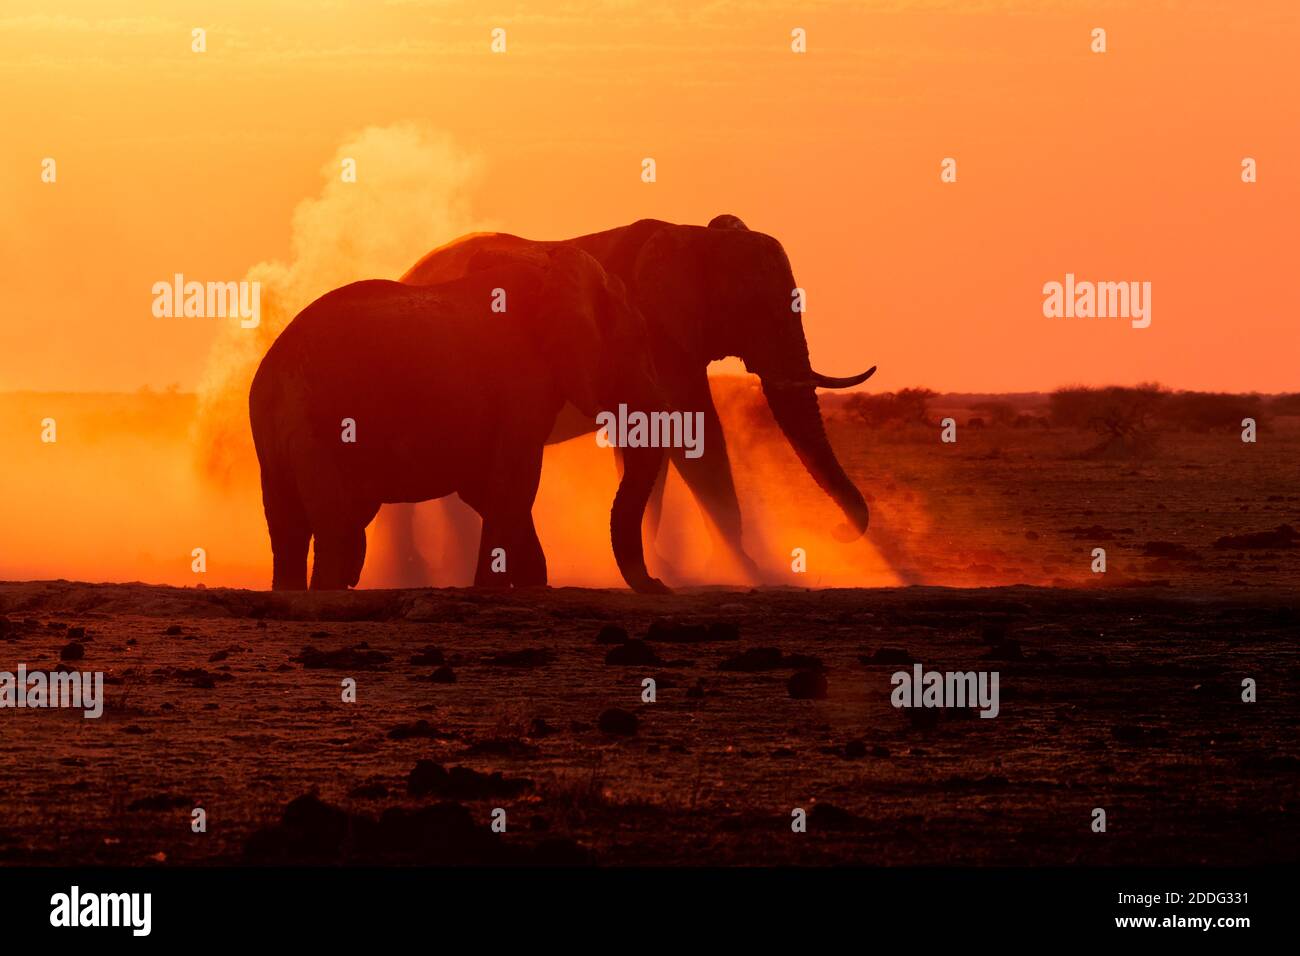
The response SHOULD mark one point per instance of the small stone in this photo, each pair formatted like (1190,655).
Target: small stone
(611,634)
(634,652)
(72,652)
(808,685)
(618,722)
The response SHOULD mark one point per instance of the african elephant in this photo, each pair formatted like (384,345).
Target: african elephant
(706,293)
(383,392)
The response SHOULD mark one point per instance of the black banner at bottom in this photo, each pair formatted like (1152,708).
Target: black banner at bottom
(180,905)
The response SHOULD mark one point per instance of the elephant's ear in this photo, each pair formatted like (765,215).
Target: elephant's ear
(670,283)
(711,288)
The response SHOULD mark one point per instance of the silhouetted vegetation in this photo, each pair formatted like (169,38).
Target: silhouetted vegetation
(1207,411)
(1288,404)
(909,406)
(1121,413)
(995,412)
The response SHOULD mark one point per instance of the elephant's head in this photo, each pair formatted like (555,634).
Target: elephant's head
(594,342)
(725,290)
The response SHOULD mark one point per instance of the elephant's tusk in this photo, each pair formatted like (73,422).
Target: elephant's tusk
(826,381)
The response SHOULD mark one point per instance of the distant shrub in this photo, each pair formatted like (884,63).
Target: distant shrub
(1206,411)
(996,412)
(907,406)
(1285,404)
(1114,412)
(1028,421)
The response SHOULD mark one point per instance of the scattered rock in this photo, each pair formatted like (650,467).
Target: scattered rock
(461,783)
(72,652)
(428,656)
(827,816)
(218,656)
(158,802)
(419,729)
(540,728)
(443,675)
(527,657)
(808,685)
(444,834)
(355,657)
(1283,536)
(618,722)
(611,634)
(172,630)
(369,791)
(635,652)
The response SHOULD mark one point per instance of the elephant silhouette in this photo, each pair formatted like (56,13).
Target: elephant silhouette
(383,392)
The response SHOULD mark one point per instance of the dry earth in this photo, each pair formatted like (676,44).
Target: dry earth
(1121,698)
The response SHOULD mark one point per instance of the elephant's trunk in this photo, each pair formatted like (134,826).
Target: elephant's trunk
(797,413)
(640,470)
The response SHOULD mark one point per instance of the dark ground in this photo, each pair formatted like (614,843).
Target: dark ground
(1122,698)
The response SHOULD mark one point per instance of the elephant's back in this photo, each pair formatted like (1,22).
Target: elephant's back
(452,261)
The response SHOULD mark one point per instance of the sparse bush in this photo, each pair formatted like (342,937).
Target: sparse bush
(1121,416)
(1285,404)
(909,406)
(1113,411)
(995,412)
(1206,411)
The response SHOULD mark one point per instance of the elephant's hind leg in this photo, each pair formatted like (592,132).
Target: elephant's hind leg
(341,553)
(290,530)
(338,558)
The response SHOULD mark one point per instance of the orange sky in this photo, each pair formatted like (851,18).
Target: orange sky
(1122,166)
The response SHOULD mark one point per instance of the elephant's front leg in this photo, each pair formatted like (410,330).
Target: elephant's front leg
(709,476)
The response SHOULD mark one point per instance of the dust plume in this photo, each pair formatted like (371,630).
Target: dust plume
(412,193)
